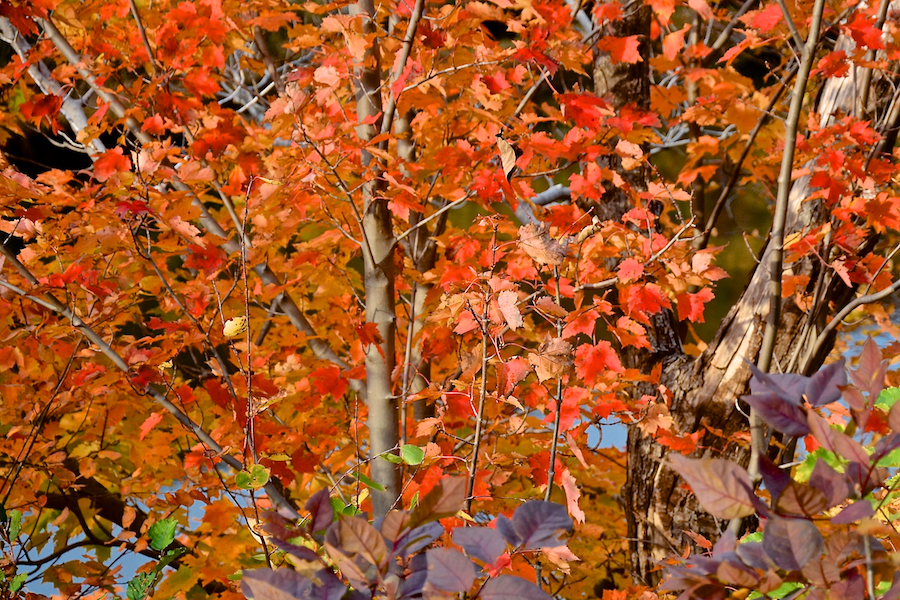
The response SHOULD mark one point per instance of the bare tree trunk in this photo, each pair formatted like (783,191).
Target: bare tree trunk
(378,273)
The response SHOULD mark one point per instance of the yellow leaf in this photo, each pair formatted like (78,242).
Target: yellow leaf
(235,327)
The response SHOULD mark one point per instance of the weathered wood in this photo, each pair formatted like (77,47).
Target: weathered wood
(706,389)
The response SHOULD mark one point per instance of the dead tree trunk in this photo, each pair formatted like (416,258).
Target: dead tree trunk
(707,389)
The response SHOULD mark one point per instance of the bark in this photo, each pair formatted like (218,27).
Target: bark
(706,390)
(378,275)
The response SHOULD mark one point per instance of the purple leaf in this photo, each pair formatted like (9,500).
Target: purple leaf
(509,587)
(787,386)
(321,514)
(822,387)
(754,555)
(414,582)
(851,587)
(861,509)
(539,523)
(722,487)
(775,479)
(450,570)
(869,365)
(418,538)
(848,448)
(444,500)
(483,543)
(894,417)
(726,543)
(832,484)
(801,499)
(787,418)
(732,571)
(294,550)
(393,525)
(508,530)
(821,430)
(792,543)
(283,584)
(329,587)
(355,536)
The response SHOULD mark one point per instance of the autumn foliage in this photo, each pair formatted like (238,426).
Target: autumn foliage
(281,315)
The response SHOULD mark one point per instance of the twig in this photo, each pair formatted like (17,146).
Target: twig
(776,237)
(143,34)
(405,49)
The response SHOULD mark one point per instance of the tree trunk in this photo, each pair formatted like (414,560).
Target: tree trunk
(706,389)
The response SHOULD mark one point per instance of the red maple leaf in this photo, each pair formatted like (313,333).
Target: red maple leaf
(630,269)
(645,299)
(591,361)
(690,306)
(111,162)
(622,49)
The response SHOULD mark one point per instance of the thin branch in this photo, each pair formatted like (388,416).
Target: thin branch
(72,109)
(405,49)
(736,173)
(776,237)
(143,33)
(434,215)
(789,21)
(851,306)
(52,304)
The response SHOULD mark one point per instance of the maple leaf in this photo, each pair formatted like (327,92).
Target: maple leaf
(647,299)
(570,486)
(535,240)
(690,306)
(630,269)
(622,49)
(506,302)
(511,373)
(149,423)
(109,163)
(553,358)
(369,335)
(591,361)
(674,42)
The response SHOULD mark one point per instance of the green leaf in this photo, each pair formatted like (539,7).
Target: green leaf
(139,587)
(415,500)
(806,467)
(252,479)
(16,583)
(15,523)
(391,458)
(887,398)
(169,557)
(161,534)
(369,482)
(412,455)
(236,576)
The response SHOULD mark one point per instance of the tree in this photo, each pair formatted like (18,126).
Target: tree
(301,257)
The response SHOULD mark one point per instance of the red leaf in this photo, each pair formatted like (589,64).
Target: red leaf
(591,361)
(149,424)
(647,299)
(765,20)
(111,162)
(674,42)
(630,269)
(622,49)
(511,373)
(690,306)
(368,335)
